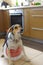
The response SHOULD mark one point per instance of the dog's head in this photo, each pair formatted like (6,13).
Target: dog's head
(16,31)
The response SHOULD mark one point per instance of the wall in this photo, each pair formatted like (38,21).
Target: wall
(13,2)
(37,0)
(9,2)
(1,0)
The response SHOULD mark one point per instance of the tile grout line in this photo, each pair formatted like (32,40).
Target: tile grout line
(37,55)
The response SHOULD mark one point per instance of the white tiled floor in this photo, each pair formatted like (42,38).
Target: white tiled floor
(32,53)
(37,60)
(35,56)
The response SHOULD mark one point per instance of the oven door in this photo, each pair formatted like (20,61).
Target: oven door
(17,18)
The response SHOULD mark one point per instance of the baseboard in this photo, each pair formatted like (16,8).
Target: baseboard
(2,34)
(33,39)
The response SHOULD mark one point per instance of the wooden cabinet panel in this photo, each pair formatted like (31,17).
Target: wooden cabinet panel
(38,34)
(6,20)
(36,21)
(26,23)
(1,22)
(36,11)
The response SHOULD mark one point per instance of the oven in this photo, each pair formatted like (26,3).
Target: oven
(16,17)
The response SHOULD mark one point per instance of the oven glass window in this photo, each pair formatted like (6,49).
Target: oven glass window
(16,19)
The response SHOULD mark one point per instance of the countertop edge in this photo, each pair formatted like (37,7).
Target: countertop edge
(22,7)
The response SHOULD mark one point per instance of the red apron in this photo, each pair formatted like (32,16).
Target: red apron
(13,52)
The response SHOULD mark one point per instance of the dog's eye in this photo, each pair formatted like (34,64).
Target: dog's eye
(16,27)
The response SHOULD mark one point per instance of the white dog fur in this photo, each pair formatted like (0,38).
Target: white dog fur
(14,41)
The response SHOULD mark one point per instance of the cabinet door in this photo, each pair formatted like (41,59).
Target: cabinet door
(6,19)
(26,23)
(36,21)
(1,22)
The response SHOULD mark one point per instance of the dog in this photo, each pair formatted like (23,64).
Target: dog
(13,41)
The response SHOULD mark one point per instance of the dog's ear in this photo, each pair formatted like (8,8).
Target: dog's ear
(10,29)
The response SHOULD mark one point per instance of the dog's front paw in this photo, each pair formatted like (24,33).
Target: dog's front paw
(27,59)
(11,63)
(2,55)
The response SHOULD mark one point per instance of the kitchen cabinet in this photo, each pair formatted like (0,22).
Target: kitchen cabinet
(36,23)
(4,20)
(26,23)
(33,22)
(1,22)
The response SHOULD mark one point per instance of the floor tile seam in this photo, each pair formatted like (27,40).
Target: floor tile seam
(36,56)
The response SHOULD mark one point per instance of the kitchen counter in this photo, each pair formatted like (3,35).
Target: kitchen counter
(22,7)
